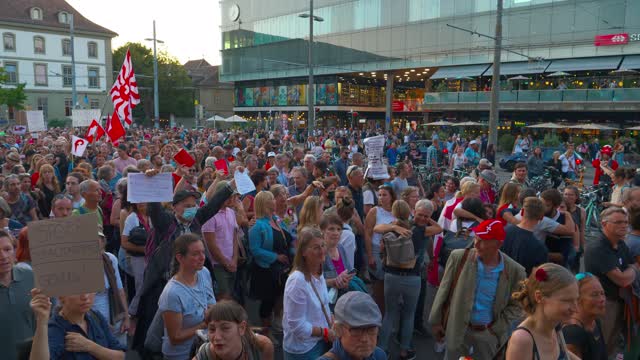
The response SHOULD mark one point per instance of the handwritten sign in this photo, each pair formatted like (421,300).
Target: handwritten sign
(243,182)
(35,120)
(65,255)
(84,117)
(142,188)
(374,148)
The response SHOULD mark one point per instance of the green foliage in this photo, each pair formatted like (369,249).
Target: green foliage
(175,90)
(551,140)
(14,96)
(59,123)
(505,142)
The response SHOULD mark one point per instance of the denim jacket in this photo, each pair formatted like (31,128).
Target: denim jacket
(261,242)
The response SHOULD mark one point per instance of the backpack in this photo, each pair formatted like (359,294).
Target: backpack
(460,239)
(399,251)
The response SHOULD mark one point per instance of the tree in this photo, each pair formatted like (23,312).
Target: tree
(13,97)
(175,90)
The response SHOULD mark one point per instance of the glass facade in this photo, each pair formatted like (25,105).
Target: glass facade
(270,40)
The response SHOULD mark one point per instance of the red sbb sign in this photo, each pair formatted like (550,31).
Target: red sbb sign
(397,105)
(611,39)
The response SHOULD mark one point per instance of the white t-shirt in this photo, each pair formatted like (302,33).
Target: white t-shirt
(459,161)
(130,223)
(367,198)
(348,241)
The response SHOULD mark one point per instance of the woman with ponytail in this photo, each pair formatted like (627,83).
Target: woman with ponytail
(549,297)
(230,337)
(185,298)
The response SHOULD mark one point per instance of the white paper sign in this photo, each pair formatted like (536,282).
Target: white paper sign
(83,117)
(142,188)
(374,148)
(243,182)
(35,120)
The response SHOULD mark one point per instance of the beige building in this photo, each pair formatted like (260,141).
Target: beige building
(213,96)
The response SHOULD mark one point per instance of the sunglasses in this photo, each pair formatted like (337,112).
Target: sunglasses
(351,170)
(582,275)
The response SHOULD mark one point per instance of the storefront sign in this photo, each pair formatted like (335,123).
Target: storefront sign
(612,39)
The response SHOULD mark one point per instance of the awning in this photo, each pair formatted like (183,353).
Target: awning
(584,64)
(519,68)
(453,72)
(631,62)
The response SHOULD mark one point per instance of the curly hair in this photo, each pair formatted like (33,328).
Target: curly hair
(557,278)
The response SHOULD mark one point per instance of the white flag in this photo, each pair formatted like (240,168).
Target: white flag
(78,145)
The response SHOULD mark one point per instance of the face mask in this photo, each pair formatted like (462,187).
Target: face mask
(190,213)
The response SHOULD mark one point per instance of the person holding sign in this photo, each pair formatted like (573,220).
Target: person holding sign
(16,319)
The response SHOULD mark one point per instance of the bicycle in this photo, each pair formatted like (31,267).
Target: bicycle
(593,199)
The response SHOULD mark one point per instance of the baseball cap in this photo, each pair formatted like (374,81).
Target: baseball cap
(606,150)
(271,153)
(357,309)
(491,229)
(485,162)
(235,151)
(184,194)
(490,176)
(473,142)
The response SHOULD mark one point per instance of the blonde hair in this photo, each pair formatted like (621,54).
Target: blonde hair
(54,179)
(510,194)
(557,278)
(401,211)
(310,212)
(260,203)
(467,188)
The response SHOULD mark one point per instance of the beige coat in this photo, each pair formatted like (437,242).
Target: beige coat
(505,309)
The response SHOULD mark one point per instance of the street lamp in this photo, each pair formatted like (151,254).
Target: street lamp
(311,91)
(156,104)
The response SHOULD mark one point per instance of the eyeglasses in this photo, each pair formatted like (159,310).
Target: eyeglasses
(361,331)
(582,275)
(619,222)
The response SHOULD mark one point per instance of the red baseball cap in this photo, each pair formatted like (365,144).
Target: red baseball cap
(491,229)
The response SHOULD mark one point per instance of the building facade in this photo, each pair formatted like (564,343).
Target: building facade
(214,98)
(36,51)
(560,59)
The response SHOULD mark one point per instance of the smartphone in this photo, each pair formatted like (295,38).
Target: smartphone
(352,271)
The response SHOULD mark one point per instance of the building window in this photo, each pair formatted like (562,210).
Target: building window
(94,104)
(9,41)
(36,13)
(68,105)
(11,71)
(40,72)
(67,76)
(94,77)
(66,47)
(43,104)
(63,17)
(38,45)
(92,49)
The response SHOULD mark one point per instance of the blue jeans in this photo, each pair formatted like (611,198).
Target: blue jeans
(317,351)
(407,288)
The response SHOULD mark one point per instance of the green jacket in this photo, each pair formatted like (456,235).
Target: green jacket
(505,309)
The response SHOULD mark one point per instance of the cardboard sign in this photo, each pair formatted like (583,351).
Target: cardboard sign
(184,158)
(66,256)
(222,165)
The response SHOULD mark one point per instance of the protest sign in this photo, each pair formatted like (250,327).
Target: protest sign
(222,165)
(65,255)
(374,148)
(184,158)
(145,189)
(244,184)
(35,120)
(84,117)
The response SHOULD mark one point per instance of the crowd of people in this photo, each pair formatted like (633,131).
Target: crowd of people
(340,261)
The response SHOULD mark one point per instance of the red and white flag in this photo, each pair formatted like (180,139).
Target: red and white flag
(94,132)
(124,92)
(114,128)
(78,145)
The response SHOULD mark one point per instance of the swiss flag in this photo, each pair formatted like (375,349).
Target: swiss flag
(94,132)
(114,128)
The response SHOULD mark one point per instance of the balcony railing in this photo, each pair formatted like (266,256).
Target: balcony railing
(537,96)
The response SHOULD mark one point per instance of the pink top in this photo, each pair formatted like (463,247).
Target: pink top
(224,225)
(122,164)
(338,265)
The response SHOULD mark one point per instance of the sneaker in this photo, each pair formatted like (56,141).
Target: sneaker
(411,355)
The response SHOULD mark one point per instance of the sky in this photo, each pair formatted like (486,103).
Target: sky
(190,29)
